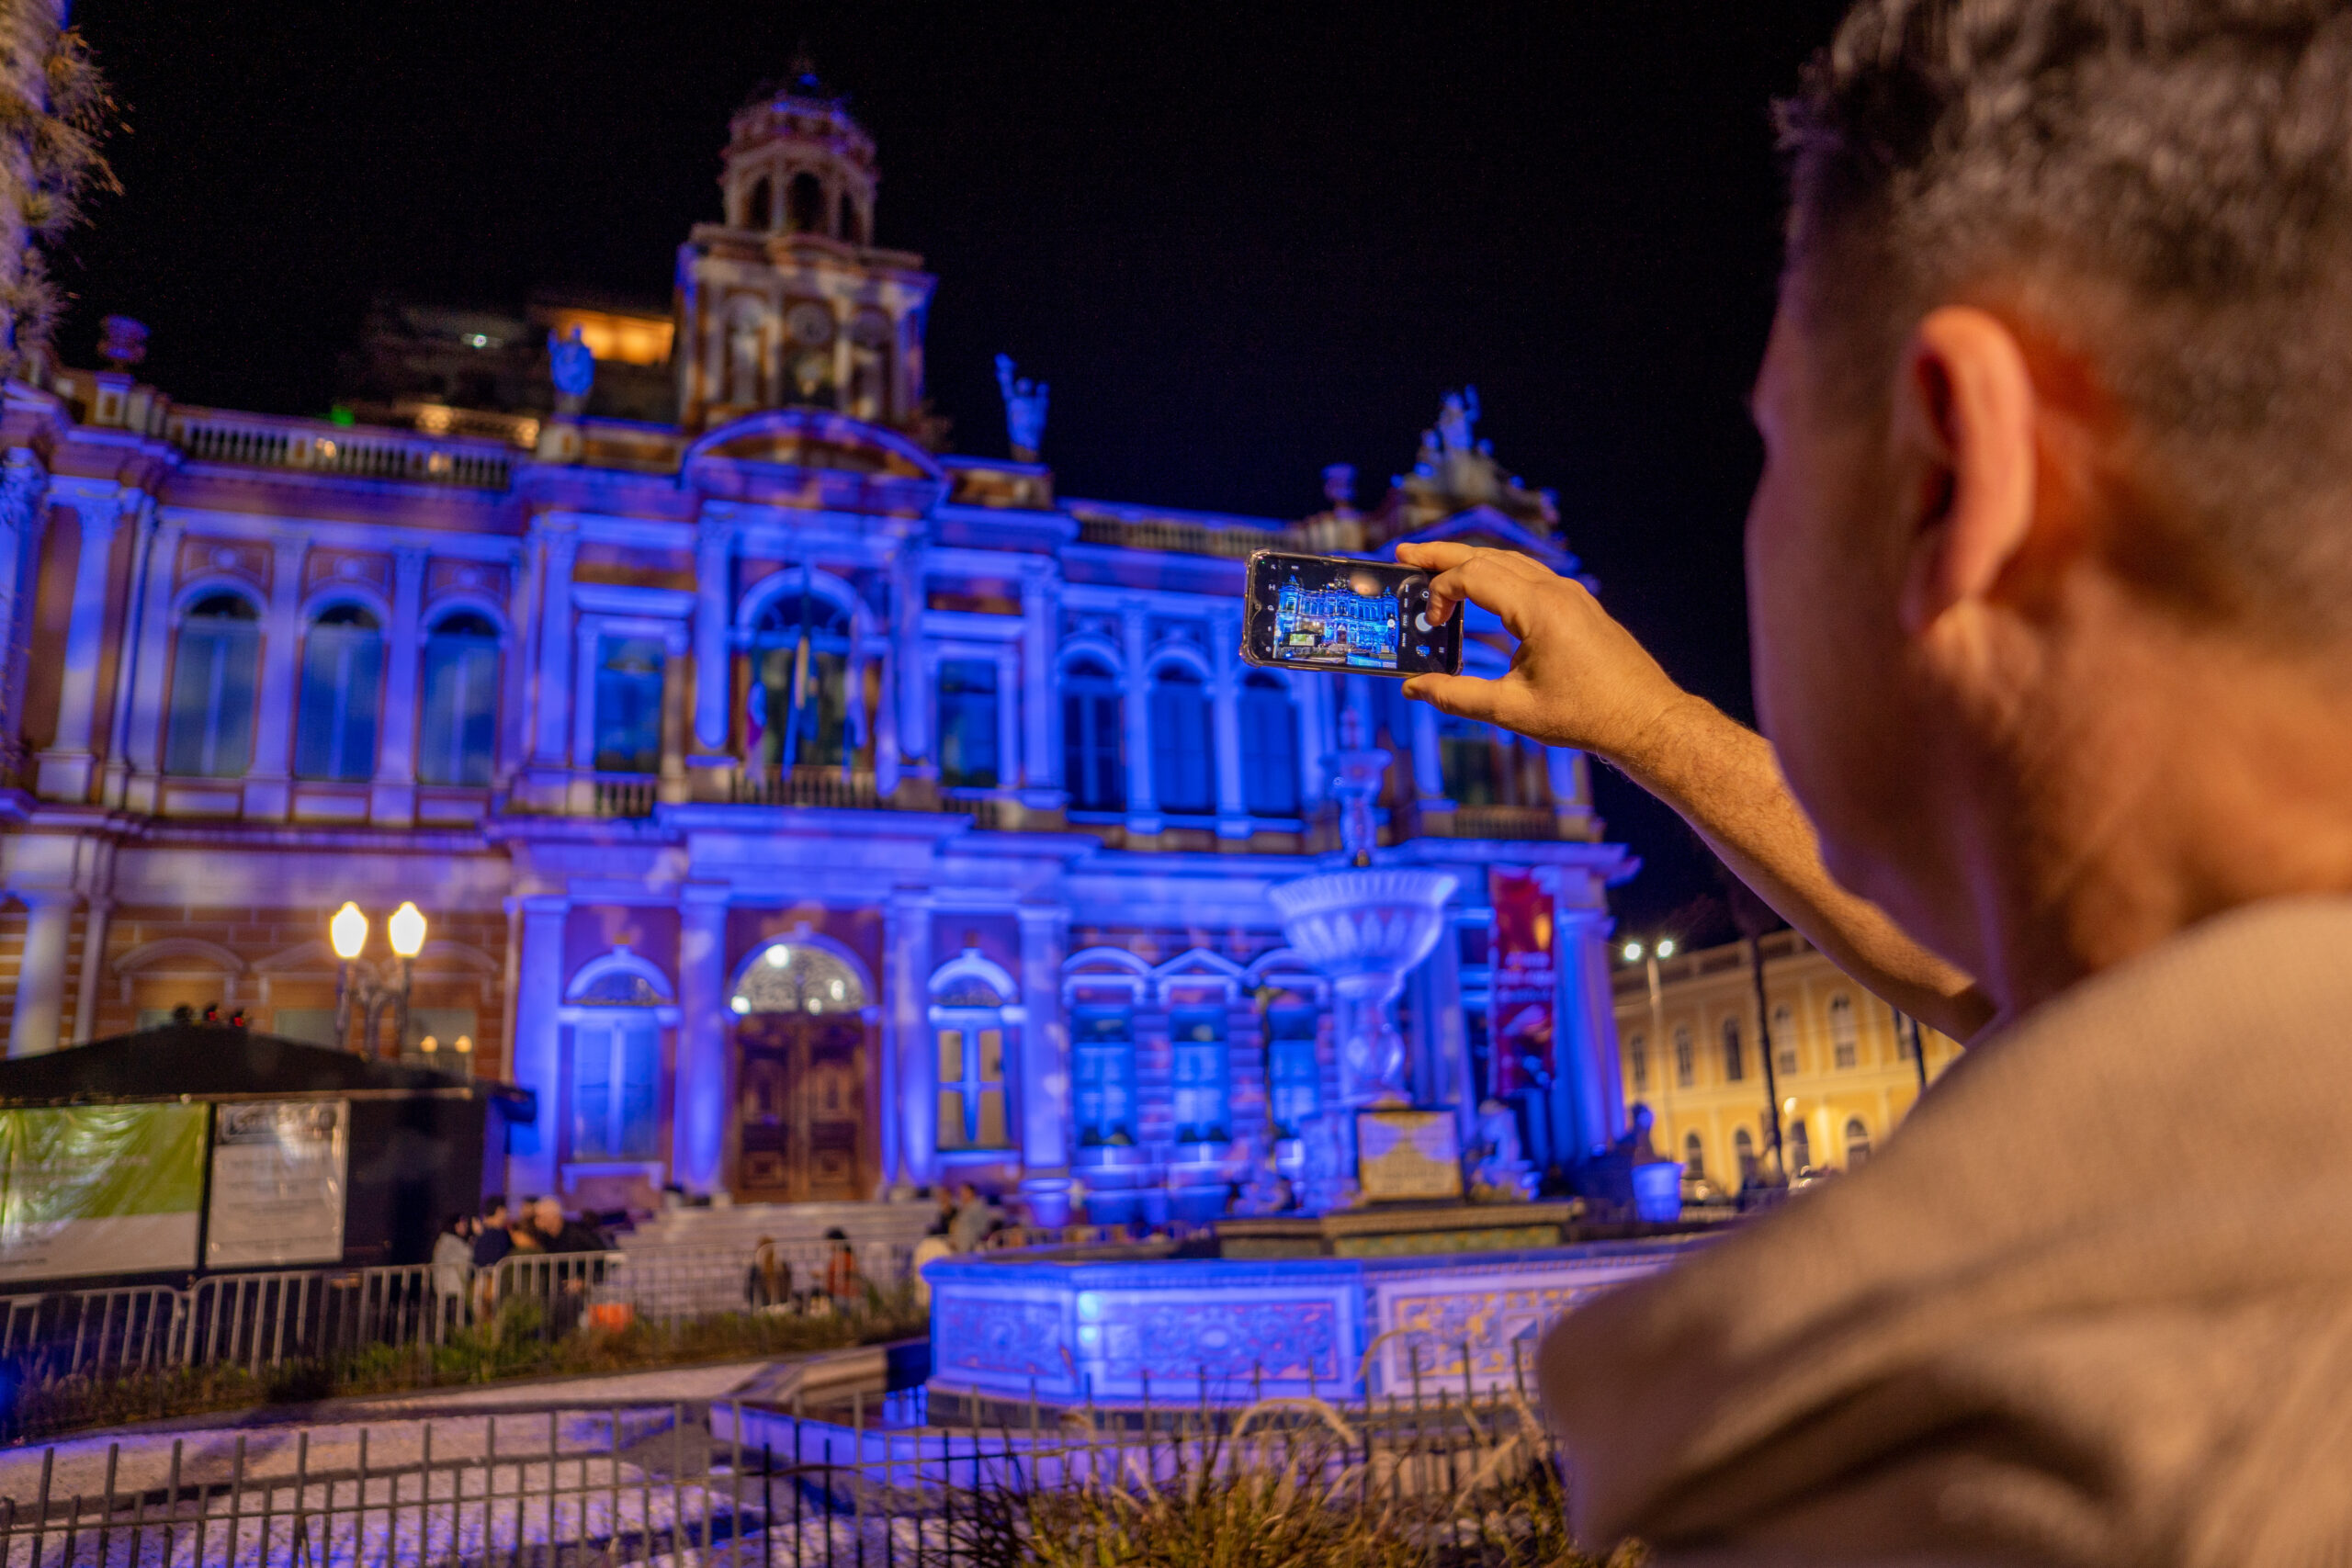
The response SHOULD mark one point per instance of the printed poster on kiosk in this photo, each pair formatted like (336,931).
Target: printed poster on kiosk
(280,1171)
(1526,983)
(100,1189)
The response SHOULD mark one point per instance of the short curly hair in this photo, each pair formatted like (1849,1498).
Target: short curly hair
(2168,180)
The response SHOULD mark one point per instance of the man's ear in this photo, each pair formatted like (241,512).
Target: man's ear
(1964,426)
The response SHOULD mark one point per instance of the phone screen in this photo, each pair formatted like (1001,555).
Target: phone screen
(1333,613)
(1349,623)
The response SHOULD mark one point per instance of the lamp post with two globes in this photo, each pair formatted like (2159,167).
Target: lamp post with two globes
(1649,953)
(370,988)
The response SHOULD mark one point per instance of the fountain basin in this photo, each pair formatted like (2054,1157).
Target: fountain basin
(1115,1325)
(1369,922)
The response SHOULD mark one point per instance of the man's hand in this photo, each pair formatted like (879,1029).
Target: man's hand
(1579,679)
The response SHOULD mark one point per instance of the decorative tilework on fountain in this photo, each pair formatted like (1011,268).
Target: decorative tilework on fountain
(1228,1343)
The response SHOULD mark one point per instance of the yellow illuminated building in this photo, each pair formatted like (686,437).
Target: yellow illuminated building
(1843,1073)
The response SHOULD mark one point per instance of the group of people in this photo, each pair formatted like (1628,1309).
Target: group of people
(468,1252)
(768,1284)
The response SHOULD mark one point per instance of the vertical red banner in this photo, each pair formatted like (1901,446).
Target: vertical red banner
(1525,982)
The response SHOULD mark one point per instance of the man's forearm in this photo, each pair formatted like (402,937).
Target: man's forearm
(1725,779)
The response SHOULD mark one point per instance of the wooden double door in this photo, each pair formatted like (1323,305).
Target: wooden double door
(799,1108)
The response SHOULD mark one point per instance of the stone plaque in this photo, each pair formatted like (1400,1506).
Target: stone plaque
(1403,1155)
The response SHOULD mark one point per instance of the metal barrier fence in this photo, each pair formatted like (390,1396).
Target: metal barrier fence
(267,1319)
(739,1486)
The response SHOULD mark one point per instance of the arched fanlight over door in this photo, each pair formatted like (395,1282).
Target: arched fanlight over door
(793,978)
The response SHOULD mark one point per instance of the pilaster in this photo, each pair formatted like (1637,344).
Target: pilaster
(698,1142)
(1041,785)
(1045,1042)
(393,798)
(268,795)
(1232,809)
(538,993)
(40,974)
(908,936)
(68,766)
(714,571)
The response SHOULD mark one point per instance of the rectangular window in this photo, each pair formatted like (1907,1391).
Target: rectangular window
(628,703)
(1201,1072)
(1734,1058)
(335,732)
(967,723)
(1637,1061)
(1292,1083)
(457,735)
(1784,1040)
(971,1084)
(211,726)
(615,1071)
(1682,1064)
(1102,1053)
(1094,751)
(1269,749)
(1183,756)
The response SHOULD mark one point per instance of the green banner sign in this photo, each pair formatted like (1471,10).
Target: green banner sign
(100,1189)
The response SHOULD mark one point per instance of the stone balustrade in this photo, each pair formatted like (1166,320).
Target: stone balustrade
(267,441)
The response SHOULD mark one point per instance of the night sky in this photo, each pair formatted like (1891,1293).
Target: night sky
(1239,242)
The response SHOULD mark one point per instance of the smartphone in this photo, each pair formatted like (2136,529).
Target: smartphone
(1362,617)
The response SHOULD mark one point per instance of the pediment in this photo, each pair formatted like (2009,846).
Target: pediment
(814,438)
(1487,526)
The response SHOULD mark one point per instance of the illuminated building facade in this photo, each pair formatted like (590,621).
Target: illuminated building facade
(1843,1071)
(799,812)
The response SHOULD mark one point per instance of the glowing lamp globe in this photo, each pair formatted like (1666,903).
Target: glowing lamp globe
(406,927)
(348,932)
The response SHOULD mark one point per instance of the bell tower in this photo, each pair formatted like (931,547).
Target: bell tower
(788,301)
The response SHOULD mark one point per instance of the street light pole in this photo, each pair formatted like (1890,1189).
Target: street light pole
(361,986)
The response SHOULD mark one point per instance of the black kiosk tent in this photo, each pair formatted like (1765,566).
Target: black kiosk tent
(194,1147)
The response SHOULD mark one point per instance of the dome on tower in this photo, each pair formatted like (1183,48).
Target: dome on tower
(797,164)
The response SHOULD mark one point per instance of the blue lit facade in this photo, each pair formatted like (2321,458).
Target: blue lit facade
(801,813)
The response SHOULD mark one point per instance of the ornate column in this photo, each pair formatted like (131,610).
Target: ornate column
(127,666)
(1232,812)
(1142,803)
(538,993)
(266,790)
(40,974)
(393,798)
(907,933)
(1588,1093)
(552,700)
(1041,780)
(714,562)
(1044,1043)
(698,1142)
(24,516)
(68,763)
(141,712)
(673,787)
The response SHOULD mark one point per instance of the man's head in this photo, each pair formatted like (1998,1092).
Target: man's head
(548,1216)
(2058,412)
(493,1213)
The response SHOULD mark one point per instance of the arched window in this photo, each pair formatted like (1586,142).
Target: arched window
(628,703)
(1293,1086)
(967,723)
(1103,1062)
(1269,746)
(805,204)
(1784,1040)
(758,208)
(789,978)
(1799,1149)
(617,1060)
(1183,750)
(457,735)
(1734,1058)
(1203,1073)
(1694,1155)
(799,706)
(1637,1062)
(1743,1151)
(210,732)
(1842,1036)
(343,667)
(1682,1064)
(1857,1142)
(1094,738)
(968,1023)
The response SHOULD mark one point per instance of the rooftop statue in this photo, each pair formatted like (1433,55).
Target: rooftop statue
(574,365)
(1456,470)
(1025,411)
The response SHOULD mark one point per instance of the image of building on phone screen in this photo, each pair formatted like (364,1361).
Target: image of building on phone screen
(1333,626)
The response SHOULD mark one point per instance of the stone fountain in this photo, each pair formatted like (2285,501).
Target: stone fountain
(1364,926)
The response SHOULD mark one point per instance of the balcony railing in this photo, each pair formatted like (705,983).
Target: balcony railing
(316,447)
(1178,538)
(826,787)
(1538,823)
(625,795)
